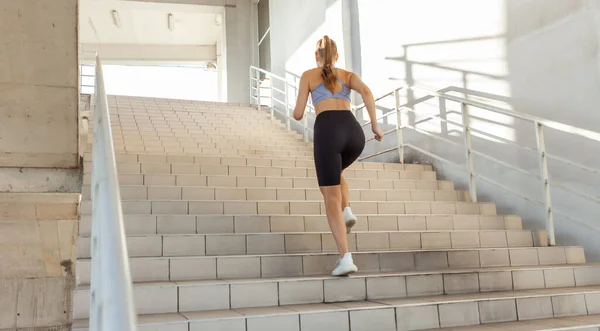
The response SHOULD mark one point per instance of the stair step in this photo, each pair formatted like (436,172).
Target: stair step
(271,182)
(203,159)
(573,323)
(191,295)
(38,206)
(265,207)
(145,269)
(252,161)
(141,192)
(215,224)
(209,151)
(259,171)
(289,243)
(433,312)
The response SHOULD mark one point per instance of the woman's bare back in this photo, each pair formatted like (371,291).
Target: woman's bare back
(315,78)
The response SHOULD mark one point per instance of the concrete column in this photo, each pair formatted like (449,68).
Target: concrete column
(39,157)
(240,48)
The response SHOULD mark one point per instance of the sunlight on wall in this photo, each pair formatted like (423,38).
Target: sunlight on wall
(438,44)
(188,83)
(435,43)
(304,58)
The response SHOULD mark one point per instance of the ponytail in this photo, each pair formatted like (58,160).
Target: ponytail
(327,52)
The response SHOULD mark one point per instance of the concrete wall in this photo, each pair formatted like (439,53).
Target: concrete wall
(534,56)
(38,153)
(38,84)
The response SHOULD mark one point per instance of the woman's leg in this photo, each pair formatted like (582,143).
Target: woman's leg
(345,193)
(333,200)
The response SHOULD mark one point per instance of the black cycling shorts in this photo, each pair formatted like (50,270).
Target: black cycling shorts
(339,140)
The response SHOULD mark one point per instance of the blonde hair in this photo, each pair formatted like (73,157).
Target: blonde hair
(327,50)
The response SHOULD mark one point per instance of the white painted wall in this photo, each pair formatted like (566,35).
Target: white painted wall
(543,54)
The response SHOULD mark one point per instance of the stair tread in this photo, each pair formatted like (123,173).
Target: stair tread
(549,324)
(354,276)
(184,317)
(314,201)
(288,189)
(306,233)
(317,215)
(354,253)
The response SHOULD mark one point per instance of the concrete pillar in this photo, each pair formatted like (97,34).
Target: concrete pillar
(240,48)
(39,162)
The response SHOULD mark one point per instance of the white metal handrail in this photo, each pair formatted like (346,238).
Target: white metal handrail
(539,128)
(111,295)
(539,125)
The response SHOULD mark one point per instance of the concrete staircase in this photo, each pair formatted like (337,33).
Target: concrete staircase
(227,231)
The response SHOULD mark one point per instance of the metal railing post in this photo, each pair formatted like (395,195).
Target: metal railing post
(543,158)
(469,151)
(250,97)
(271,106)
(287,108)
(258,90)
(400,137)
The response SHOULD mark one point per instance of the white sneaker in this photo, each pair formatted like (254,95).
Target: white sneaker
(345,266)
(350,219)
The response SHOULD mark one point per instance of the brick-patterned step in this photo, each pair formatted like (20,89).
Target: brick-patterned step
(290,243)
(142,192)
(409,314)
(147,269)
(222,224)
(264,207)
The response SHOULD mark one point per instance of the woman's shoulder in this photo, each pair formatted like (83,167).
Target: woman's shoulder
(344,75)
(312,72)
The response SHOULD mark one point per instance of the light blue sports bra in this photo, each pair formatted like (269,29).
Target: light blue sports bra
(321,93)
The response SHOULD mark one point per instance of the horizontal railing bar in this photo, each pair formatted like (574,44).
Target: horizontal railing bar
(435,136)
(431,117)
(380,118)
(493,182)
(269,74)
(279,101)
(548,123)
(576,192)
(439,158)
(574,164)
(386,132)
(577,220)
(473,130)
(278,90)
(476,175)
(500,162)
(361,106)
(378,153)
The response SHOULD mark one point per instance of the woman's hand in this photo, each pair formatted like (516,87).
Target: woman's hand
(378,133)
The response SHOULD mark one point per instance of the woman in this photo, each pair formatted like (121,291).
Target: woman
(338,139)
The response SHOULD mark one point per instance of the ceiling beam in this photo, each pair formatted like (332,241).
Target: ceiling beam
(149,53)
(220,3)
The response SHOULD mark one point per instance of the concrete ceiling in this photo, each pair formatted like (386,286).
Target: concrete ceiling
(146,23)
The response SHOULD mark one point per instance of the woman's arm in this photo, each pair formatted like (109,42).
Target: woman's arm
(302,98)
(365,92)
